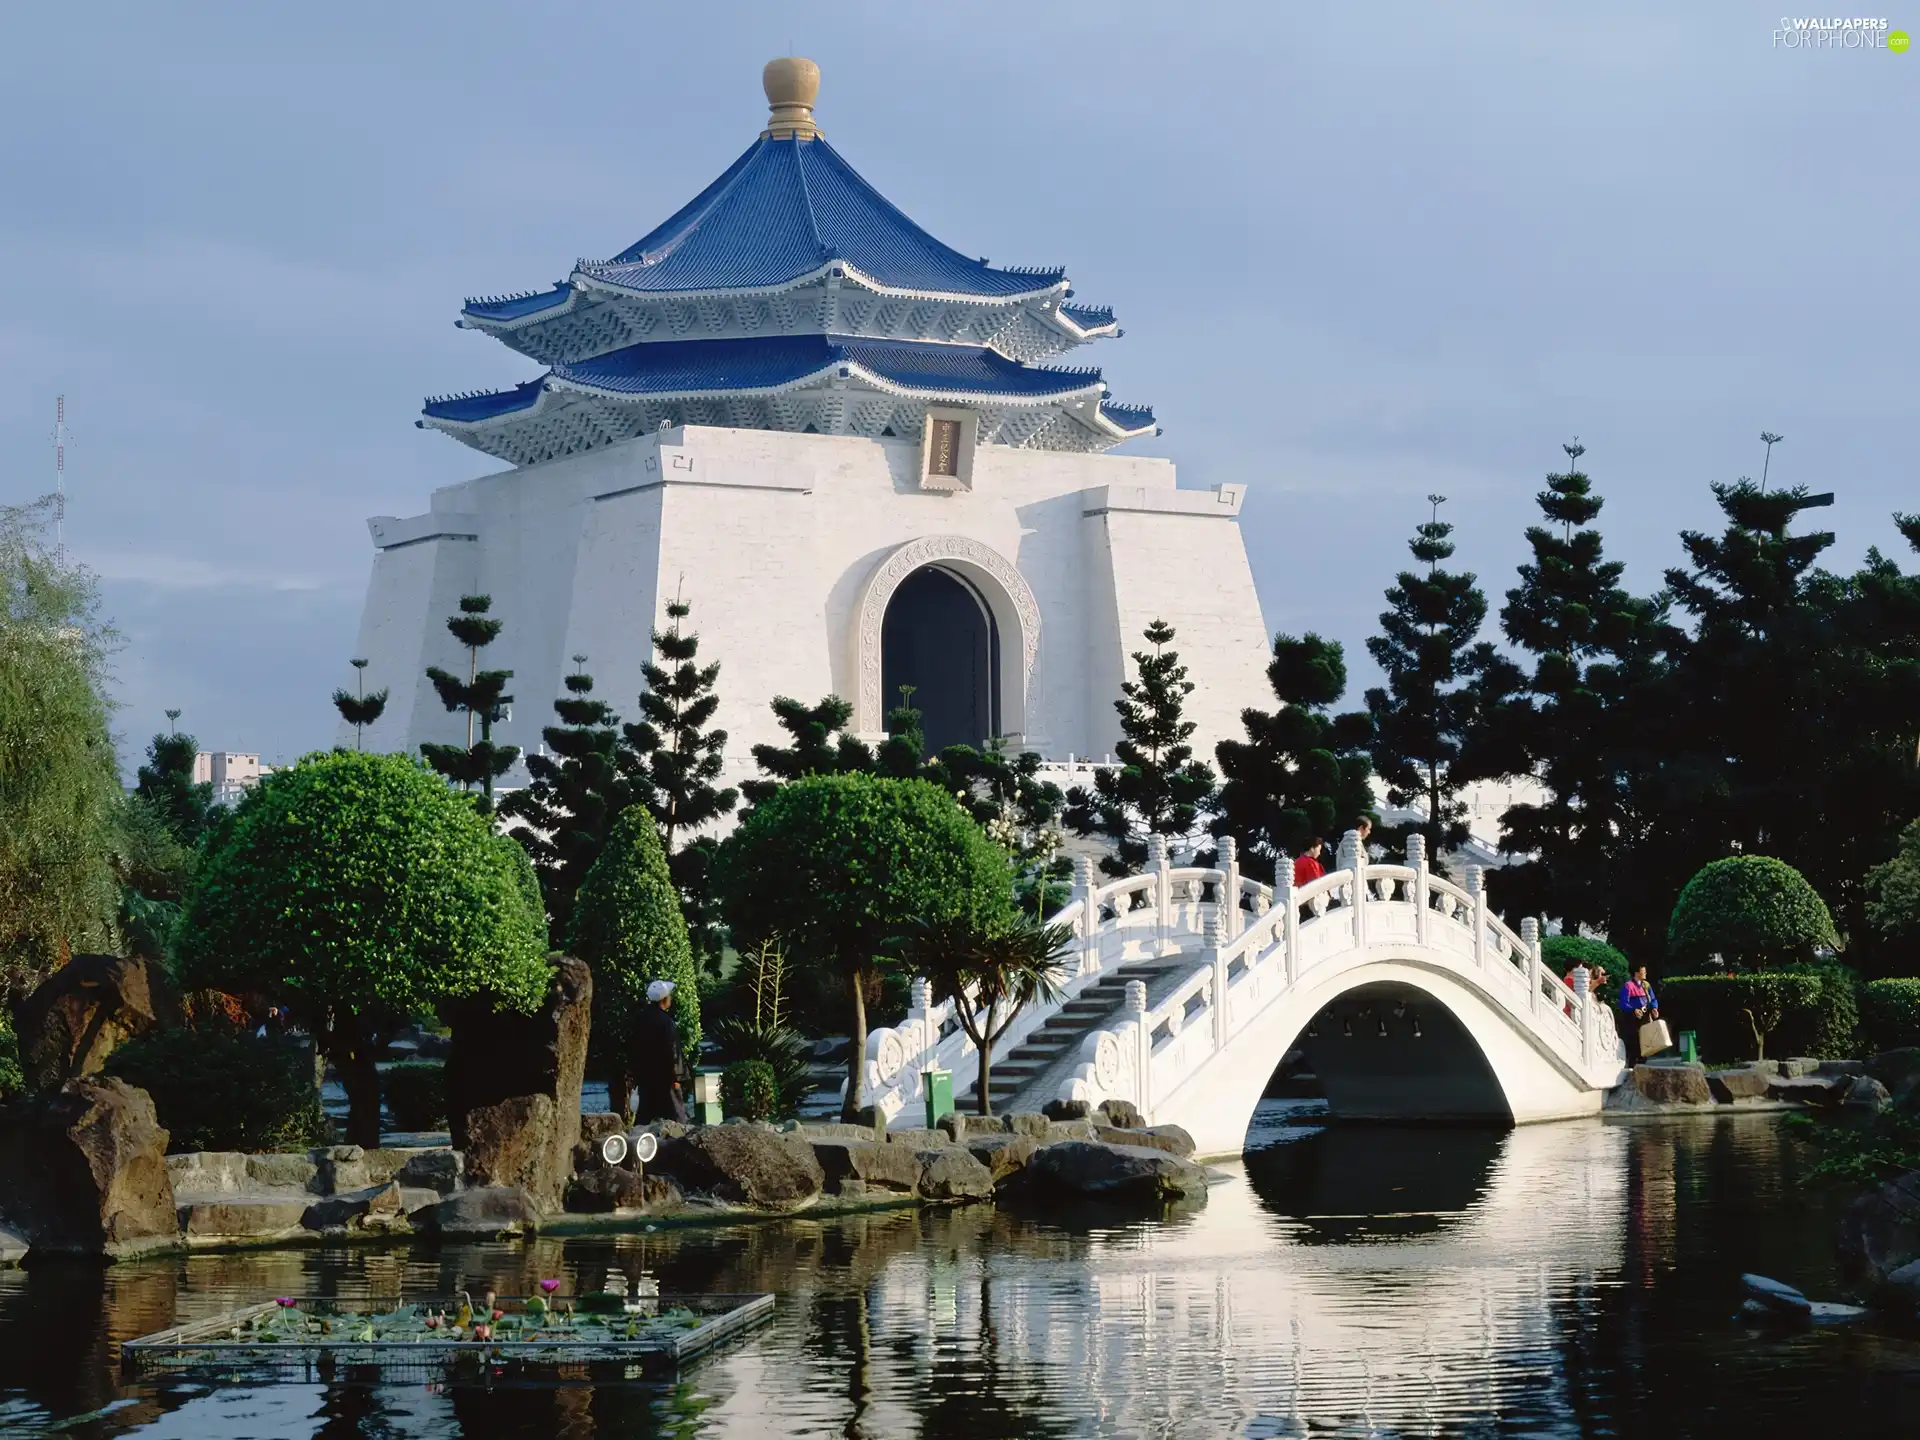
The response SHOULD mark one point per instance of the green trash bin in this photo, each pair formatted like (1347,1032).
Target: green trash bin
(706,1098)
(939,1095)
(1688,1048)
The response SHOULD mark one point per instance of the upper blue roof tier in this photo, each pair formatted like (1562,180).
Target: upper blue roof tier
(773,362)
(788,207)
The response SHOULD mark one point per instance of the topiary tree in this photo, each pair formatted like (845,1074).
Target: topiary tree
(1752,911)
(836,865)
(1893,890)
(358,890)
(1889,1011)
(627,926)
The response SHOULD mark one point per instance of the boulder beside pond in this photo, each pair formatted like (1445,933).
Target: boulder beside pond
(83,1012)
(1747,1082)
(743,1164)
(83,1170)
(486,1212)
(1880,1231)
(1130,1173)
(952,1173)
(1673,1084)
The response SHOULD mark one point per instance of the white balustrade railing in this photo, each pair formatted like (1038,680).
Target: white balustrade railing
(1245,953)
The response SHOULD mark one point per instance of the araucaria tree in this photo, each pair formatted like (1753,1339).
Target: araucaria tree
(360,709)
(837,866)
(627,926)
(482,695)
(575,796)
(991,971)
(1301,773)
(1575,721)
(673,759)
(1158,787)
(167,786)
(360,892)
(1420,716)
(819,744)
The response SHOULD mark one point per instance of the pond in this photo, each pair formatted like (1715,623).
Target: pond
(1558,1280)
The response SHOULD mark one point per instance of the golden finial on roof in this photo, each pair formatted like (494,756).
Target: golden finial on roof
(792,84)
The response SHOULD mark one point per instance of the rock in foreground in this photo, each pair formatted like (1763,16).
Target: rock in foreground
(744,1164)
(1130,1173)
(83,1171)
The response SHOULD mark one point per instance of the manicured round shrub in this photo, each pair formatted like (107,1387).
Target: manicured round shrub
(223,1089)
(1799,1010)
(1752,911)
(1890,1013)
(416,1094)
(1562,953)
(750,1089)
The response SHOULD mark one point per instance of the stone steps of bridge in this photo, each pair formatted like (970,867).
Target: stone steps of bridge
(1053,1050)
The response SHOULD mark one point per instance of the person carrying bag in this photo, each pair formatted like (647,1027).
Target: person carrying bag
(1644,1031)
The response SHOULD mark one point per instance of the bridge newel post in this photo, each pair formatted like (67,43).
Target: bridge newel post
(1213,948)
(1143,1042)
(1477,888)
(1089,922)
(1530,940)
(1353,860)
(1582,1008)
(1227,901)
(1162,874)
(1417,858)
(1290,914)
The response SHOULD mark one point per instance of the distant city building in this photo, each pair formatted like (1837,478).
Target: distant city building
(230,772)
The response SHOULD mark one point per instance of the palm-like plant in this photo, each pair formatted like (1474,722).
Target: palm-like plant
(991,973)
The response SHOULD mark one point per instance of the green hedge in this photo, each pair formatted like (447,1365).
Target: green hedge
(1802,1010)
(750,1090)
(1890,1014)
(12,1079)
(416,1094)
(222,1089)
(1562,952)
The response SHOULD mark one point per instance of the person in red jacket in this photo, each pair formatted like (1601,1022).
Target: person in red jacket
(1306,865)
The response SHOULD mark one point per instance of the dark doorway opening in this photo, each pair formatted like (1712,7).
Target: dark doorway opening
(939,637)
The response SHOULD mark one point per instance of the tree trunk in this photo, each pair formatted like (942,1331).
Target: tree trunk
(355,1051)
(857,1057)
(620,1096)
(983,1101)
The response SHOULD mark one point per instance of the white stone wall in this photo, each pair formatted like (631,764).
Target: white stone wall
(773,538)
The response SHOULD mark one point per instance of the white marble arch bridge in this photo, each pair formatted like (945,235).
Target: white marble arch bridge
(1189,984)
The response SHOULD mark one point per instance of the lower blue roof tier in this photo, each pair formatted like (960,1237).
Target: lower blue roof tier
(774,362)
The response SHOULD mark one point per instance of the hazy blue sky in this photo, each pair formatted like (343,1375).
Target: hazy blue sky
(1362,252)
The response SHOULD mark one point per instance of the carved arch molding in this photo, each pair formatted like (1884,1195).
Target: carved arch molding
(1015,611)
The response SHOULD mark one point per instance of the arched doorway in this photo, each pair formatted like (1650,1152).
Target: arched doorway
(939,636)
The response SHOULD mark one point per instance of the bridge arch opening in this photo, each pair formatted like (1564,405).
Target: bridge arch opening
(1389,1051)
(939,636)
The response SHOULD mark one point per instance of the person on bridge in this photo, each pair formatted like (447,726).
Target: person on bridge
(1638,1005)
(1306,865)
(658,1058)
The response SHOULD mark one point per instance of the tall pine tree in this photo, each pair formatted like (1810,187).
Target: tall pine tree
(1570,723)
(1430,652)
(360,709)
(1301,772)
(166,784)
(575,796)
(482,695)
(818,744)
(672,758)
(1158,787)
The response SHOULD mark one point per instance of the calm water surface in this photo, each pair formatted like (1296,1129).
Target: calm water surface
(1560,1280)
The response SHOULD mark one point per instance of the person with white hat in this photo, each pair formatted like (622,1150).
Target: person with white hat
(657,1058)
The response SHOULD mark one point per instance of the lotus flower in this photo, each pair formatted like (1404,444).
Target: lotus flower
(549,1286)
(499,1315)
(286,1302)
(483,1331)
(433,1322)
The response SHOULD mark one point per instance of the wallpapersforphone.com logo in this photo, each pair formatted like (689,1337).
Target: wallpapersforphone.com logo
(1822,33)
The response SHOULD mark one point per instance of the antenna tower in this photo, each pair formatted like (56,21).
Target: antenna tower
(60,437)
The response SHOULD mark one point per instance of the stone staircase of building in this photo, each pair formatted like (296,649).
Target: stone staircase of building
(1056,1044)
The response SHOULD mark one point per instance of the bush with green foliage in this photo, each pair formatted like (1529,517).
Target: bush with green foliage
(1893,890)
(12,1079)
(753,1022)
(839,865)
(1801,1010)
(416,1094)
(359,891)
(224,1089)
(750,1090)
(1890,1014)
(1752,911)
(628,927)
(1561,953)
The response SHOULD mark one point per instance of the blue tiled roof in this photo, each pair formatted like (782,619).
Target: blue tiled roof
(769,362)
(1128,417)
(787,207)
(1088,317)
(513,307)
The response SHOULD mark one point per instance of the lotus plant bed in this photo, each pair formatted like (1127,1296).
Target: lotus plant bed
(648,1330)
